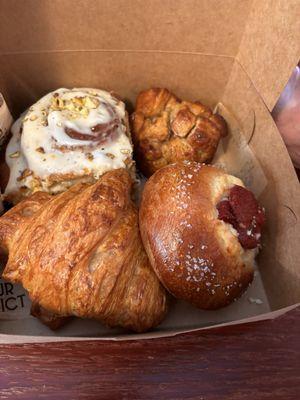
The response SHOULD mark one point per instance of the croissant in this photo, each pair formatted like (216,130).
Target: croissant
(80,253)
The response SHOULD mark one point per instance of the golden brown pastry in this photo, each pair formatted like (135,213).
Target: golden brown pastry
(80,253)
(53,321)
(201,230)
(166,129)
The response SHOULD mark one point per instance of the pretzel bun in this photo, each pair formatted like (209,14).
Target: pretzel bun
(197,256)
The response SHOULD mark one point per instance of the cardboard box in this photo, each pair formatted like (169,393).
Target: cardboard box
(237,54)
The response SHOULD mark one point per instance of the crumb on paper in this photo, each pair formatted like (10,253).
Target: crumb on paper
(16,154)
(255,301)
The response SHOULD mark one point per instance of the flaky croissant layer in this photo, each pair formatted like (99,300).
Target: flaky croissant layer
(80,253)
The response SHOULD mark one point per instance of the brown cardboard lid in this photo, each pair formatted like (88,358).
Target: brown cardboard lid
(206,26)
(263,35)
(270,47)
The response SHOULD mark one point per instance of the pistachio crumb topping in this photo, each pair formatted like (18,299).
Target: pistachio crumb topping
(128,162)
(110,155)
(76,105)
(89,156)
(16,154)
(27,172)
(40,150)
(125,151)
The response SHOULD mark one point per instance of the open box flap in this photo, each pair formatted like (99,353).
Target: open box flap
(280,257)
(270,47)
(207,26)
(263,35)
(26,77)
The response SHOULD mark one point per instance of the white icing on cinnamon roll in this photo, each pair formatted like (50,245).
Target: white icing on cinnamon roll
(66,137)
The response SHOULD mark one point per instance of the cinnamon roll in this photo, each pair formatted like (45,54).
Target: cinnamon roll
(68,136)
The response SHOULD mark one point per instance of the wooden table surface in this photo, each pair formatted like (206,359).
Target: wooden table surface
(253,361)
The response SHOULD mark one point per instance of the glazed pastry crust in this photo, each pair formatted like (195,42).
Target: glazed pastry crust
(166,129)
(80,253)
(197,257)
